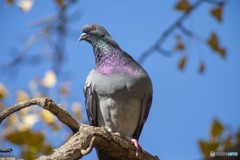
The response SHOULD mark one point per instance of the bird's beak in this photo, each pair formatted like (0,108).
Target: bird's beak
(82,37)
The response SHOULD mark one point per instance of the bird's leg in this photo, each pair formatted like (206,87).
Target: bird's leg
(136,144)
(114,133)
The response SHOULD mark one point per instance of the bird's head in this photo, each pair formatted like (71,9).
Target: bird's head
(94,32)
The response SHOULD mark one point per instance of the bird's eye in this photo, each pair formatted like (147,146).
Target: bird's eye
(93,28)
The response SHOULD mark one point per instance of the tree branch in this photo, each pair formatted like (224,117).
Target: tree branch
(177,24)
(85,137)
(5,150)
(82,143)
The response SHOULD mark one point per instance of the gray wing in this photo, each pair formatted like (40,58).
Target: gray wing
(145,108)
(91,104)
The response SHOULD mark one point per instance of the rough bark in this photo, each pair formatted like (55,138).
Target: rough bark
(84,137)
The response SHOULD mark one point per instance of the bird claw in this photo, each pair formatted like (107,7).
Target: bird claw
(137,145)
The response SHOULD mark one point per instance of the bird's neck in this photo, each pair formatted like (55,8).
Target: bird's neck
(110,59)
(103,49)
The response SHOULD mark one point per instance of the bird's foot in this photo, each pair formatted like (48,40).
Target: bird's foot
(137,145)
(116,134)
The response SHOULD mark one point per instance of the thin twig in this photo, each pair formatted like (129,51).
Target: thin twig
(5,150)
(177,24)
(27,45)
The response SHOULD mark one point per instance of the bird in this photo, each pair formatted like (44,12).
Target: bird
(118,91)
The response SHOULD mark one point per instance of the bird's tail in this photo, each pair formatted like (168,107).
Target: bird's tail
(103,156)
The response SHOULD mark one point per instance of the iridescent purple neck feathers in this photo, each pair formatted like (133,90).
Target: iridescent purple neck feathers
(111,59)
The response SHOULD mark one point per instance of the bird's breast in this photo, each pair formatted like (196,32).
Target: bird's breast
(109,84)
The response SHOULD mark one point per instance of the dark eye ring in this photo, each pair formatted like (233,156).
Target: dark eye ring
(93,28)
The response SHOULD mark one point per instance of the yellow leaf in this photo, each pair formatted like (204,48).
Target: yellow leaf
(49,80)
(10,2)
(217,13)
(183,5)
(228,143)
(3,91)
(30,153)
(21,95)
(47,149)
(31,142)
(27,137)
(60,2)
(56,127)
(222,52)
(47,117)
(216,129)
(25,5)
(180,46)
(207,147)
(213,42)
(182,63)
(16,137)
(201,68)
(77,110)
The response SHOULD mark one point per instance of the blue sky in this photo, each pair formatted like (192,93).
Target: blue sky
(184,103)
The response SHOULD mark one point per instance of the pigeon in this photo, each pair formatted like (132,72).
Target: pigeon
(118,91)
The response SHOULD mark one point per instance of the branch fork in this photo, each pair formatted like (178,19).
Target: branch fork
(84,137)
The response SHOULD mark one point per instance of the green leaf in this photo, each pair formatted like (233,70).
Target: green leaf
(207,147)
(216,129)
(217,13)
(182,63)
(183,5)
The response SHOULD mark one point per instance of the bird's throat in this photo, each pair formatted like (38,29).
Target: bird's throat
(102,49)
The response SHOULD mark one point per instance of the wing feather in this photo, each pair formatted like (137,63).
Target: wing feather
(91,104)
(145,108)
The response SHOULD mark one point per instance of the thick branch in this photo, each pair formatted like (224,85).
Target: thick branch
(84,138)
(82,142)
